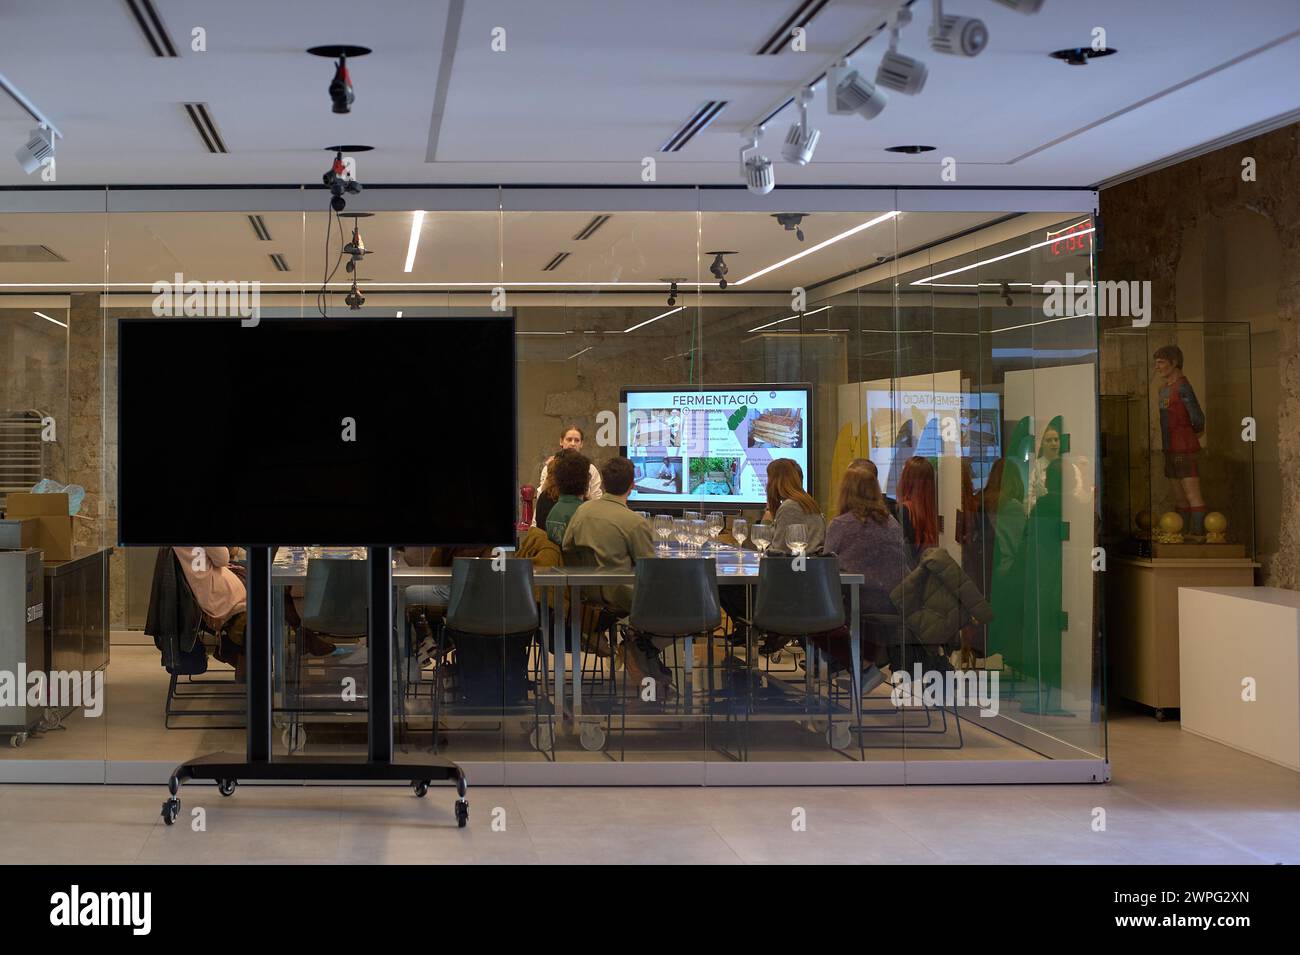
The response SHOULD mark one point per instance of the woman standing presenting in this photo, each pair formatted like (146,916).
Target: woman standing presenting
(571,439)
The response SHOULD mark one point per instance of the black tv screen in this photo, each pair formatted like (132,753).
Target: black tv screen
(362,432)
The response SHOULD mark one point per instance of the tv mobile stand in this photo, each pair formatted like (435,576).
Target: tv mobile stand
(226,769)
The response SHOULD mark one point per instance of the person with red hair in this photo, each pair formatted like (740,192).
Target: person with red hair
(918,507)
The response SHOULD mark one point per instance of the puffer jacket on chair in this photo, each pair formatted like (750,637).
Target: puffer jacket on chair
(937,599)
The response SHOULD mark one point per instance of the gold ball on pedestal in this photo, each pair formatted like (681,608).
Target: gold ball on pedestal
(1171,526)
(1216,527)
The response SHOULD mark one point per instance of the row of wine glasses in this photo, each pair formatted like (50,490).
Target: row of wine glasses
(694,532)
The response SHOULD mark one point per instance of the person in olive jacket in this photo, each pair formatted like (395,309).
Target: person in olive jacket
(937,600)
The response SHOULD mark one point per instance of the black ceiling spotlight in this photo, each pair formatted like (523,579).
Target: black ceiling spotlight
(1006,294)
(338,179)
(355,248)
(672,290)
(791,221)
(1080,55)
(354,299)
(719,267)
(341,95)
(909,150)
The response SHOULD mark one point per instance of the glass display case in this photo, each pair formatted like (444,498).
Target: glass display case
(1178,440)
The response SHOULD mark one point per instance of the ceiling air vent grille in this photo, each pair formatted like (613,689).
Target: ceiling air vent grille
(801,17)
(259,228)
(205,127)
(555,263)
(151,25)
(278,261)
(698,121)
(590,228)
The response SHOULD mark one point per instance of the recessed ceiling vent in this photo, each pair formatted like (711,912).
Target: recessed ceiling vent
(555,263)
(695,123)
(205,127)
(259,228)
(278,261)
(29,254)
(587,231)
(151,25)
(802,15)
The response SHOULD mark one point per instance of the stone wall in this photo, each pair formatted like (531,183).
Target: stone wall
(1217,247)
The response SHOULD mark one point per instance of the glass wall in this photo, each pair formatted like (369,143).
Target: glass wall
(865,326)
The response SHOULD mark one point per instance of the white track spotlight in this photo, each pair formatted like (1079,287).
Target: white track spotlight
(801,141)
(849,92)
(756,169)
(897,72)
(957,36)
(38,149)
(1022,6)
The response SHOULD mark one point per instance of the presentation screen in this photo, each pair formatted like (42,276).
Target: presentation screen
(911,421)
(712,446)
(361,432)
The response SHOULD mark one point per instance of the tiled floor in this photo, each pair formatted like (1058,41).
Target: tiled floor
(1175,798)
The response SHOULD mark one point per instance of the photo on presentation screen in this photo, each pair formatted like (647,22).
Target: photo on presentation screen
(934,424)
(655,428)
(655,474)
(717,442)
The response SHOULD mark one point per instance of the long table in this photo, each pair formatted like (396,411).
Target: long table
(733,566)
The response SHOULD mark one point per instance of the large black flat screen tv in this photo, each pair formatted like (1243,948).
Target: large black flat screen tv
(358,432)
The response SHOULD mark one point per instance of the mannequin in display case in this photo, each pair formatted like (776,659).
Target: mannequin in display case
(1182,430)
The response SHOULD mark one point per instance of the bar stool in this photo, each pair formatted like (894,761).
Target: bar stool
(796,603)
(676,598)
(491,618)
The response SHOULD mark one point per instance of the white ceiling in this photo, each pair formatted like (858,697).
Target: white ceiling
(584,90)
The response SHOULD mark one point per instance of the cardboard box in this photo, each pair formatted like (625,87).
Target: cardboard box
(53,523)
(18,535)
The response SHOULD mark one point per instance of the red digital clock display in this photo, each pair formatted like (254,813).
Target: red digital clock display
(1072,240)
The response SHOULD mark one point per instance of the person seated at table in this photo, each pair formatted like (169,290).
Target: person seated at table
(868,541)
(569,469)
(918,506)
(868,465)
(788,505)
(571,439)
(221,596)
(605,533)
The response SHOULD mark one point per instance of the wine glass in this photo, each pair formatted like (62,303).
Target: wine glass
(740,530)
(761,535)
(681,529)
(716,523)
(644,515)
(796,538)
(691,515)
(699,533)
(663,529)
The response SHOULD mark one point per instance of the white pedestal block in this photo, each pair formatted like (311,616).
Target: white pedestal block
(1228,634)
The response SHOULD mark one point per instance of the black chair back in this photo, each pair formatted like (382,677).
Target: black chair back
(794,602)
(492,603)
(676,597)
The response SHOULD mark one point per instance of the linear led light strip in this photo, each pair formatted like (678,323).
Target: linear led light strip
(821,245)
(671,311)
(1000,284)
(583,352)
(417,224)
(789,318)
(54,320)
(996,258)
